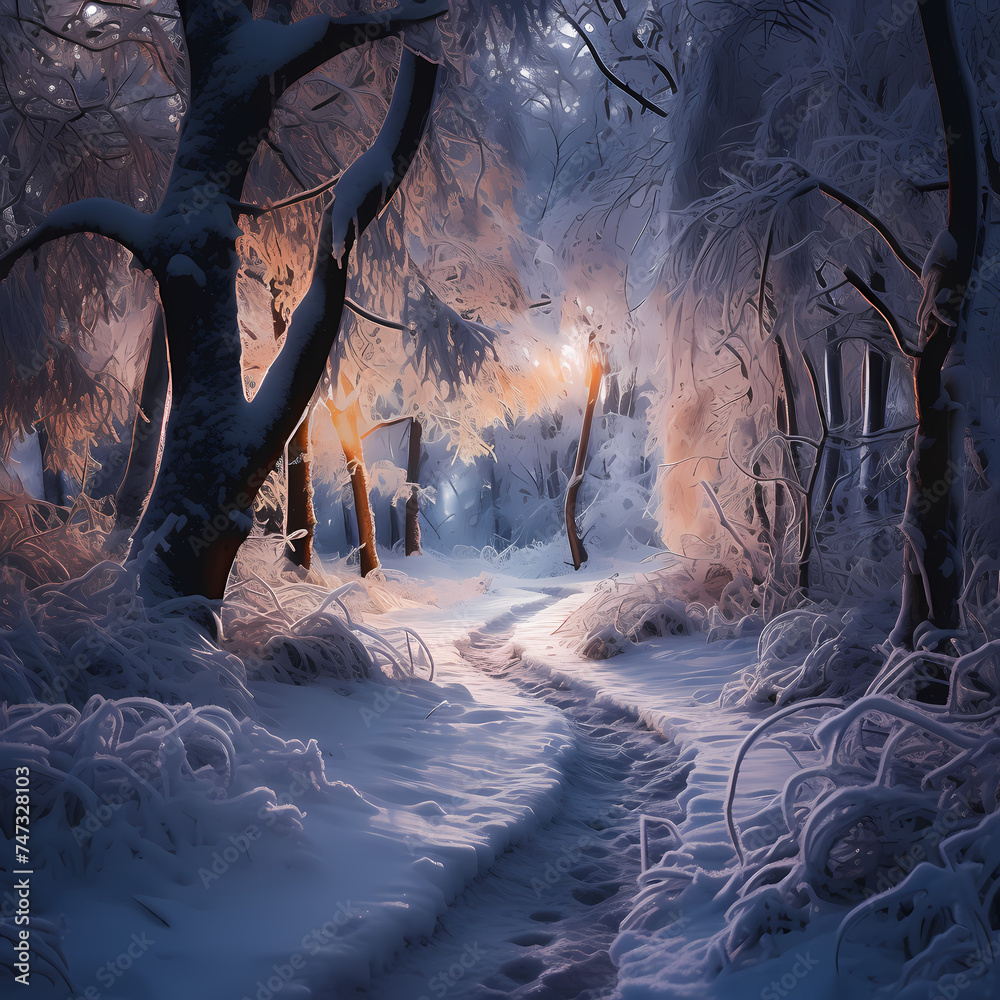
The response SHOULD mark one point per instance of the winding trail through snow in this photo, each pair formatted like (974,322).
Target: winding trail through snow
(539,923)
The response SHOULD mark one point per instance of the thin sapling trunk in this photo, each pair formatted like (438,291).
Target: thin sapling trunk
(346,424)
(595,372)
(412,540)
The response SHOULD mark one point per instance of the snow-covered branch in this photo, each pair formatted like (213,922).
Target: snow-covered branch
(365,188)
(297,49)
(100,216)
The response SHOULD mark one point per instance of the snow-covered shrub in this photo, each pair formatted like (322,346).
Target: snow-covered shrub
(48,961)
(304,625)
(812,651)
(895,830)
(666,602)
(94,635)
(135,775)
(44,543)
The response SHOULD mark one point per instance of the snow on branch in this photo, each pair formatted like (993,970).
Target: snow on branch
(363,190)
(100,216)
(305,45)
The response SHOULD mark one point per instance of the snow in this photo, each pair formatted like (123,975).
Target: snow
(438,780)
(356,876)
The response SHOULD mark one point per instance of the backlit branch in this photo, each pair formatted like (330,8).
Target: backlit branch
(291,379)
(874,300)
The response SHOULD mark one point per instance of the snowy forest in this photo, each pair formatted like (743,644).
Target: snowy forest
(495,499)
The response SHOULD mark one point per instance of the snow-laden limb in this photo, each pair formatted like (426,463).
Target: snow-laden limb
(100,216)
(360,194)
(292,51)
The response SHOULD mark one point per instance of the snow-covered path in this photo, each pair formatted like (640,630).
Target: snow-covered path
(481,840)
(539,923)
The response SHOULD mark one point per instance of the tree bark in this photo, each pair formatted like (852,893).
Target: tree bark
(595,372)
(218,446)
(932,520)
(140,473)
(346,424)
(412,540)
(299,514)
(876,391)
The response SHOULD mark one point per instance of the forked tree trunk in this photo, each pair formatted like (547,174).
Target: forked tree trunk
(346,424)
(595,372)
(299,514)
(218,447)
(932,520)
(412,540)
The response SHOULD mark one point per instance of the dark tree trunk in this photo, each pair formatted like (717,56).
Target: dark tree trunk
(785,511)
(51,480)
(830,458)
(595,371)
(140,473)
(412,541)
(299,515)
(932,520)
(876,393)
(272,517)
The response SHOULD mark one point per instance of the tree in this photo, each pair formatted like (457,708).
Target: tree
(405,352)
(933,561)
(218,446)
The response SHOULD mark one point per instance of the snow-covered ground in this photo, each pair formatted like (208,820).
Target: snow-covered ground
(483,835)
(439,778)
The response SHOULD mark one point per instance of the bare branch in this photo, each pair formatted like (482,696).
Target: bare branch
(371,317)
(873,299)
(619,83)
(874,221)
